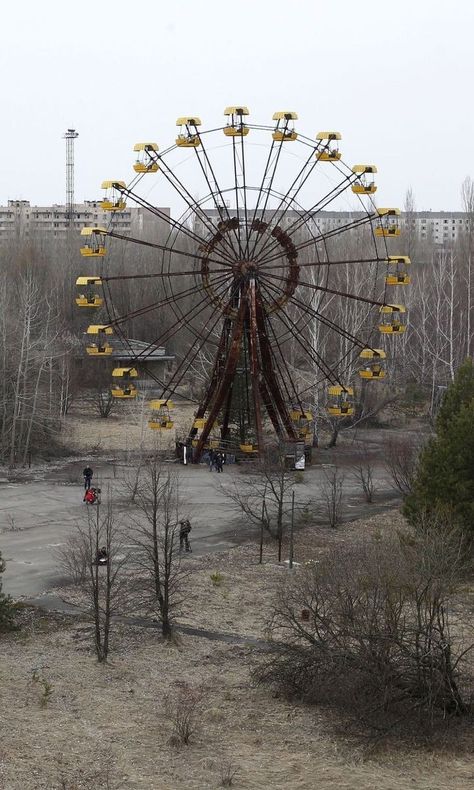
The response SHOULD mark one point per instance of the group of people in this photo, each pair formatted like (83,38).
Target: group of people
(216,461)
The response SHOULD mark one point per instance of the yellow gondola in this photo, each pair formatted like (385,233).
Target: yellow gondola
(287,133)
(94,247)
(330,151)
(364,185)
(213,441)
(124,388)
(387,225)
(102,347)
(113,199)
(340,402)
(146,161)
(392,319)
(248,448)
(87,296)
(303,421)
(373,370)
(160,419)
(188,136)
(397,275)
(235,124)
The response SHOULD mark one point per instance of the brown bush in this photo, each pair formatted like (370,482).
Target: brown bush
(377,641)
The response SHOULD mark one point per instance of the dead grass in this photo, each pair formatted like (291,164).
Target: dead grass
(109,726)
(124,431)
(114,717)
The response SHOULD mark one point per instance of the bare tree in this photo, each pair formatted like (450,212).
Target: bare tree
(364,473)
(156,529)
(332,492)
(264,494)
(103,585)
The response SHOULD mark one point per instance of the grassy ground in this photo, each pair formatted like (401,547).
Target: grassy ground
(68,722)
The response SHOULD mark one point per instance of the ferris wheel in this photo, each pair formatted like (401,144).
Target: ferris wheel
(256,273)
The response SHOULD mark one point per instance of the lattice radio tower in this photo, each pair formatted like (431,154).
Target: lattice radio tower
(70,135)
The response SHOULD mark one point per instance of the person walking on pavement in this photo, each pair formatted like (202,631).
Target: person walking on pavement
(87,477)
(212,460)
(184,530)
(219,462)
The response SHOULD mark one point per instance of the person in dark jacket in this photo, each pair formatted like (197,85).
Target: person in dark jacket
(102,556)
(87,477)
(184,530)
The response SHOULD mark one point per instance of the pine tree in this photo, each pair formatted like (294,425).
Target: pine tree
(460,392)
(444,480)
(7,607)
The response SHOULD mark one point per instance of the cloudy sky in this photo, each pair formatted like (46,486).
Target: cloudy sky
(395,78)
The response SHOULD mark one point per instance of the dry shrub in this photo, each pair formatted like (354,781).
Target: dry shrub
(377,642)
(401,458)
(72,558)
(184,712)
(229,772)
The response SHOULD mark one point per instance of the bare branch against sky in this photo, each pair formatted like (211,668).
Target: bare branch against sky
(394,78)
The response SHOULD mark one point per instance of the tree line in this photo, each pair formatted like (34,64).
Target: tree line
(42,331)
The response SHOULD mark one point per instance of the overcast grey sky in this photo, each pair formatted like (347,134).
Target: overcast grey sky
(395,78)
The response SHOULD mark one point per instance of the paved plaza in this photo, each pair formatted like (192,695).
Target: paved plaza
(36,517)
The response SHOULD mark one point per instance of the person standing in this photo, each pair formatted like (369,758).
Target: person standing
(212,460)
(184,530)
(219,462)
(87,477)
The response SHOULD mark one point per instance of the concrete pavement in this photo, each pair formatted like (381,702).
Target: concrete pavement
(37,517)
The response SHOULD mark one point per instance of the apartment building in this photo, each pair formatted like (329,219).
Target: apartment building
(440,227)
(20,220)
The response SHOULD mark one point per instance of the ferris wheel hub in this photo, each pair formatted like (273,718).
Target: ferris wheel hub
(245,267)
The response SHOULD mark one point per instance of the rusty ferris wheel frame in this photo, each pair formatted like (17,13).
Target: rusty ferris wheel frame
(259,271)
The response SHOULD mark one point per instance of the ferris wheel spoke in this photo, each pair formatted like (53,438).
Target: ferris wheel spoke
(318,360)
(236,192)
(308,214)
(319,263)
(285,200)
(223,206)
(333,291)
(260,189)
(160,275)
(165,248)
(176,224)
(244,194)
(196,350)
(157,212)
(172,330)
(179,373)
(270,172)
(285,365)
(327,322)
(191,291)
(322,237)
(187,197)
